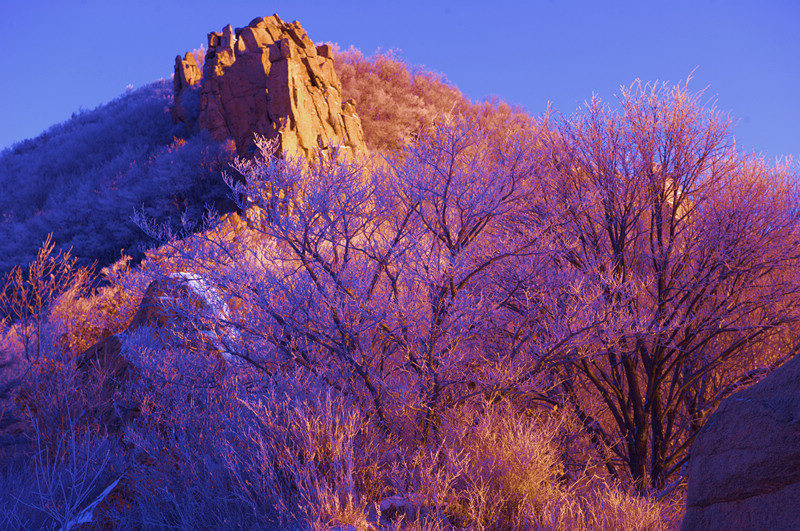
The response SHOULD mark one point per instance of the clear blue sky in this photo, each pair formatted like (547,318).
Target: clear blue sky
(60,56)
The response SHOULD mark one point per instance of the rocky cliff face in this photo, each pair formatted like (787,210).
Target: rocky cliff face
(268,78)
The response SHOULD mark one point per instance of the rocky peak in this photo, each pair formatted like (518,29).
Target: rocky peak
(267,78)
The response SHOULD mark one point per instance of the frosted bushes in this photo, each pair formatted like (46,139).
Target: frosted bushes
(316,458)
(224,455)
(85,177)
(71,482)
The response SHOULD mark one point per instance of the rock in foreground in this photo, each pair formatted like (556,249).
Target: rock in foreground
(105,358)
(744,471)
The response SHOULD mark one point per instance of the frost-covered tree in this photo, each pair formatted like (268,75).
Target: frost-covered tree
(693,249)
(376,277)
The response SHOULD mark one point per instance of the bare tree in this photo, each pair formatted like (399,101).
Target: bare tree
(461,185)
(628,264)
(378,280)
(28,294)
(694,250)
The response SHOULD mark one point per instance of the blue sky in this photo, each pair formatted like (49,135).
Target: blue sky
(58,57)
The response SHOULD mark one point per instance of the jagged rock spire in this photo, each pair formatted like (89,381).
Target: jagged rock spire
(268,78)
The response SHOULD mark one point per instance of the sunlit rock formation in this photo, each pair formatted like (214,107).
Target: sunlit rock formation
(269,79)
(186,84)
(744,470)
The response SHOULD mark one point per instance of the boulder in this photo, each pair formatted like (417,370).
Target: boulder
(155,311)
(105,355)
(744,466)
(270,79)
(103,362)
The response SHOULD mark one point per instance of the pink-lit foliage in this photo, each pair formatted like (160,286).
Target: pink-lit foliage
(393,100)
(693,249)
(381,277)
(506,323)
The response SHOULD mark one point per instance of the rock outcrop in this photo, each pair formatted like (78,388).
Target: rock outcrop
(186,85)
(269,79)
(744,470)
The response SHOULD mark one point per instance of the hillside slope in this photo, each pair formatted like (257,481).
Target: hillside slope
(83,178)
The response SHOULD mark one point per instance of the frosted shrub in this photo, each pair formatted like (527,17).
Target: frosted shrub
(393,100)
(494,469)
(72,477)
(516,456)
(317,456)
(603,506)
(218,450)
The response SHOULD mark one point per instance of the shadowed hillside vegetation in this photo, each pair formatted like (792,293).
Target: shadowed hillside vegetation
(82,180)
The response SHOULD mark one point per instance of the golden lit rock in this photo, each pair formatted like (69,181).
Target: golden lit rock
(270,79)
